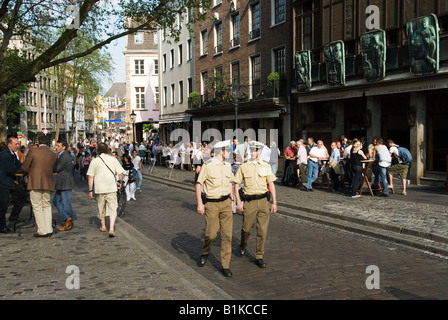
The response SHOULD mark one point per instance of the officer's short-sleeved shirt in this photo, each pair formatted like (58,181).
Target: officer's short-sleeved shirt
(215,177)
(256,176)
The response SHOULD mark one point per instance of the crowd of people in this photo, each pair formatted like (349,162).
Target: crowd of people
(344,164)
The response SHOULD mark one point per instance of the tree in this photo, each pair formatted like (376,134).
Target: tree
(78,77)
(38,21)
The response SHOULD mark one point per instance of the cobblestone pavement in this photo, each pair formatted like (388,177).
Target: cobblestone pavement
(306,260)
(129,266)
(419,219)
(133,266)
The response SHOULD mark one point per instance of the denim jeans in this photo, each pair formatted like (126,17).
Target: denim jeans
(138,179)
(380,177)
(63,202)
(313,172)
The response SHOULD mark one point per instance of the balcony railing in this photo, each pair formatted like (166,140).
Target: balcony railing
(235,42)
(256,91)
(218,48)
(254,34)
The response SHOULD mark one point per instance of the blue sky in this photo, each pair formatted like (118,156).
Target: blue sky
(116,49)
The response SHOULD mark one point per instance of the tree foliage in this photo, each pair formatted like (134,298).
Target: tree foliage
(47,29)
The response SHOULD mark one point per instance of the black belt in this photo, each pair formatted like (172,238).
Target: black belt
(223,198)
(245,197)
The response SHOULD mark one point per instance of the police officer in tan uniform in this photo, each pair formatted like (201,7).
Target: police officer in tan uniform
(257,176)
(216,202)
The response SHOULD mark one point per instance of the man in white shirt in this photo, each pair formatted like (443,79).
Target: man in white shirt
(316,154)
(302,162)
(380,167)
(102,175)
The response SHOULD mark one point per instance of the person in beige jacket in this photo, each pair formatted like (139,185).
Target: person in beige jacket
(38,165)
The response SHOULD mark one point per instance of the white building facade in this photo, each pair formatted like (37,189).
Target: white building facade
(176,79)
(142,83)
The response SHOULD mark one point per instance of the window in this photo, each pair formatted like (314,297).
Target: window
(308,29)
(189,50)
(254,21)
(204,42)
(156,66)
(181,91)
(171,58)
(139,38)
(165,95)
(139,66)
(279,11)
(156,98)
(140,98)
(164,62)
(280,60)
(235,72)
(218,37)
(256,67)
(235,30)
(179,54)
(190,85)
(255,62)
(204,83)
(173,87)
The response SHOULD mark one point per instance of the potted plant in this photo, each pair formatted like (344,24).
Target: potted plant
(275,77)
(194,98)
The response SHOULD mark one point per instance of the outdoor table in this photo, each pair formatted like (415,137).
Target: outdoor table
(367,164)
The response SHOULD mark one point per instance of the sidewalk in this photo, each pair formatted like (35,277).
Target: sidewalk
(127,267)
(419,220)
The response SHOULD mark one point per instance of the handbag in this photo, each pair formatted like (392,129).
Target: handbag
(335,166)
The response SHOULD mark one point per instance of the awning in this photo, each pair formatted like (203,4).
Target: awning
(397,83)
(174,119)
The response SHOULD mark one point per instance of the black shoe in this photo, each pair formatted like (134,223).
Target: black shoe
(385,195)
(5,230)
(260,263)
(242,250)
(38,235)
(227,273)
(203,260)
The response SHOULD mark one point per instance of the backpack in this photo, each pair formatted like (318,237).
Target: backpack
(405,155)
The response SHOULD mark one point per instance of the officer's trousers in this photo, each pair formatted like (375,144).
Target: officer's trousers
(256,211)
(219,216)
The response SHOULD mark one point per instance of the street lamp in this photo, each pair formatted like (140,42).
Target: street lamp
(133,116)
(236,97)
